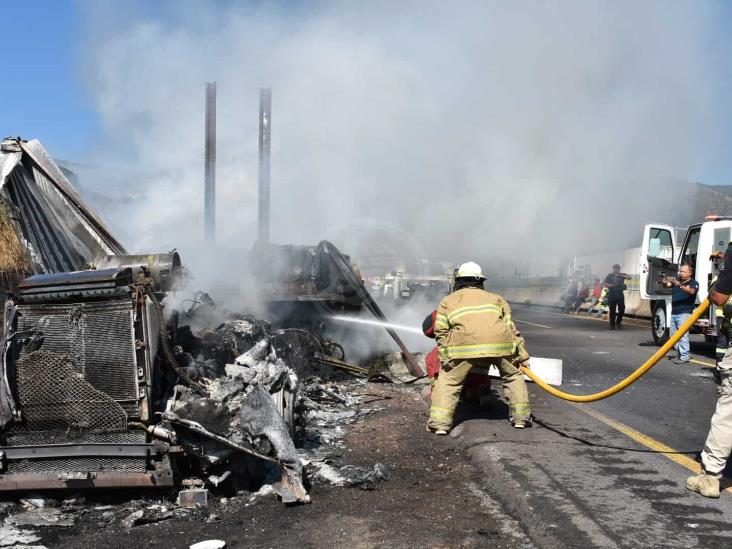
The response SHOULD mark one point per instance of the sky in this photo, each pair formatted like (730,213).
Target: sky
(44,94)
(541,116)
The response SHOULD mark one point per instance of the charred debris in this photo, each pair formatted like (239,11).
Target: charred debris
(103,385)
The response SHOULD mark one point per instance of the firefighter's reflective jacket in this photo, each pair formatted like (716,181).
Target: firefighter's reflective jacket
(473,323)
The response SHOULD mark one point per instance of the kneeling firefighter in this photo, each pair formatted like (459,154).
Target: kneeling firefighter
(473,328)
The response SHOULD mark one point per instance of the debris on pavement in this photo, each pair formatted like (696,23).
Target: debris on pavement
(38,502)
(193,498)
(133,519)
(365,478)
(10,536)
(393,367)
(42,517)
(252,516)
(209,544)
(265,491)
(328,409)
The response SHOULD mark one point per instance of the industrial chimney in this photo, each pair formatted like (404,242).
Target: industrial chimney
(265,141)
(209,192)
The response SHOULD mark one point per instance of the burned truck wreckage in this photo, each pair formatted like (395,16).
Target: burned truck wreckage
(104,385)
(102,390)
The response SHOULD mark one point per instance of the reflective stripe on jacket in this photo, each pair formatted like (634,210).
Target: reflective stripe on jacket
(473,323)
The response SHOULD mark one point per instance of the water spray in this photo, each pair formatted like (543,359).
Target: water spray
(377,323)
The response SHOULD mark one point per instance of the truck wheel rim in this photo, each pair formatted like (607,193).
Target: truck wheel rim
(659,322)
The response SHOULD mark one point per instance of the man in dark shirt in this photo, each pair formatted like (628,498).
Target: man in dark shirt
(615,283)
(683,300)
(718,445)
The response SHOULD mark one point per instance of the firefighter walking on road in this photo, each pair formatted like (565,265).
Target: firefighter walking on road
(718,445)
(473,328)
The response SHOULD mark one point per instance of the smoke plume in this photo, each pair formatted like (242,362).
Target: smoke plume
(485,130)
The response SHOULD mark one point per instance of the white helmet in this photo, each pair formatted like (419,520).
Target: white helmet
(470,270)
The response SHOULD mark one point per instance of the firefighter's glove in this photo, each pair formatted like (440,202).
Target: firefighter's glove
(521,358)
(522,354)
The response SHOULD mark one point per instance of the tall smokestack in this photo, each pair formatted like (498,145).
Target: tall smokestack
(209,193)
(265,141)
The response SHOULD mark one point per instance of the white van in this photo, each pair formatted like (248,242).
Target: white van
(661,254)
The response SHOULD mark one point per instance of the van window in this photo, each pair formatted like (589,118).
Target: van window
(691,247)
(660,244)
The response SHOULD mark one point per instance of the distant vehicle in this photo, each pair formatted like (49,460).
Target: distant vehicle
(432,281)
(661,255)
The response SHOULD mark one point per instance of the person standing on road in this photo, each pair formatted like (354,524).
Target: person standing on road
(570,295)
(718,445)
(583,292)
(615,283)
(473,328)
(595,297)
(683,300)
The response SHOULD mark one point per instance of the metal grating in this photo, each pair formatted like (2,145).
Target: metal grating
(20,436)
(99,339)
(52,395)
(77,465)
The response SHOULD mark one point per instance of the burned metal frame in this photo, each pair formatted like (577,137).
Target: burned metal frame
(95,289)
(38,451)
(102,479)
(198,428)
(77,284)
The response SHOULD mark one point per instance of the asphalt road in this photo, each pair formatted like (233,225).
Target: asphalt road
(611,473)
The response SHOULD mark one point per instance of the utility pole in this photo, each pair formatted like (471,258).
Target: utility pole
(209,192)
(265,142)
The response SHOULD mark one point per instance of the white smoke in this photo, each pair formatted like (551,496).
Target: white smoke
(483,129)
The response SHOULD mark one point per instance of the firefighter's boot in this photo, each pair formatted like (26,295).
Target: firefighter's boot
(441,432)
(705,484)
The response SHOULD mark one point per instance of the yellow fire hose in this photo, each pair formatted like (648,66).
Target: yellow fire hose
(647,365)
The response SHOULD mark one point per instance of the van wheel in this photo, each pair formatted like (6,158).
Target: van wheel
(658,323)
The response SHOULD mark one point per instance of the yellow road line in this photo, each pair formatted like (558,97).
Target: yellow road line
(645,440)
(530,323)
(585,317)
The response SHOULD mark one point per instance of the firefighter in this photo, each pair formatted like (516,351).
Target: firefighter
(477,385)
(718,445)
(602,304)
(474,328)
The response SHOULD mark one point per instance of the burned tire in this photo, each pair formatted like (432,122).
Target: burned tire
(297,432)
(286,401)
(659,323)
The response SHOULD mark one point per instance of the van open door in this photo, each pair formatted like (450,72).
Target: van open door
(657,259)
